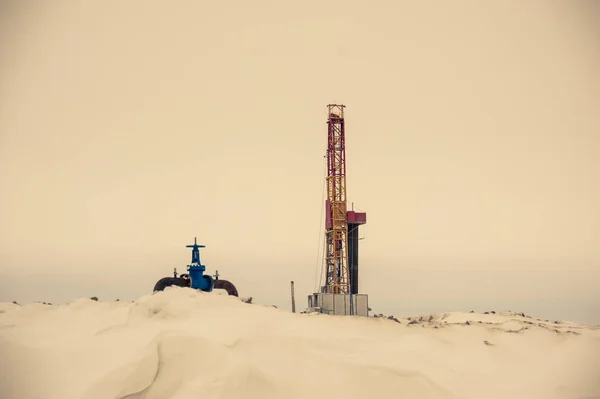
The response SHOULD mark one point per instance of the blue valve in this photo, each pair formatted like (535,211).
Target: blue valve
(196,270)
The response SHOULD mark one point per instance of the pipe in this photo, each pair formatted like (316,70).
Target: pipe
(169,281)
(227,286)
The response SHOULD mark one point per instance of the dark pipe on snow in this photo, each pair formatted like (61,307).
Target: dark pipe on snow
(169,281)
(227,286)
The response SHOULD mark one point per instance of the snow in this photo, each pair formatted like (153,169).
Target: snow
(182,343)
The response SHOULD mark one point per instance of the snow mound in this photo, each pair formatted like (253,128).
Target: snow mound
(182,343)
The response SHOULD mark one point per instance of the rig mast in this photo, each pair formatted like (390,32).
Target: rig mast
(339,295)
(336,221)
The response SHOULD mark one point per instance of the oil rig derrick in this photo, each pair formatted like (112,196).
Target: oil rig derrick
(340,294)
(336,227)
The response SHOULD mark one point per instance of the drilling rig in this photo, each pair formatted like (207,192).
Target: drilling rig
(336,232)
(339,295)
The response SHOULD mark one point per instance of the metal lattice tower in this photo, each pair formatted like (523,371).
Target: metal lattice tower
(336,226)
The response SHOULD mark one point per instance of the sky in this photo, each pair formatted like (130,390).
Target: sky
(472,132)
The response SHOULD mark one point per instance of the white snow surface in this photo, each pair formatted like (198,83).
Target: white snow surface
(182,343)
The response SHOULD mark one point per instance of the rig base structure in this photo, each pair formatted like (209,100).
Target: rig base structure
(339,304)
(195,278)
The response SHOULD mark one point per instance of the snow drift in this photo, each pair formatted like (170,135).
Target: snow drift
(181,343)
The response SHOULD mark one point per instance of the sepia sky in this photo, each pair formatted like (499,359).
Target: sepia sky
(473,144)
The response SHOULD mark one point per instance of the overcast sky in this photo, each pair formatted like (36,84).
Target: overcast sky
(473,144)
